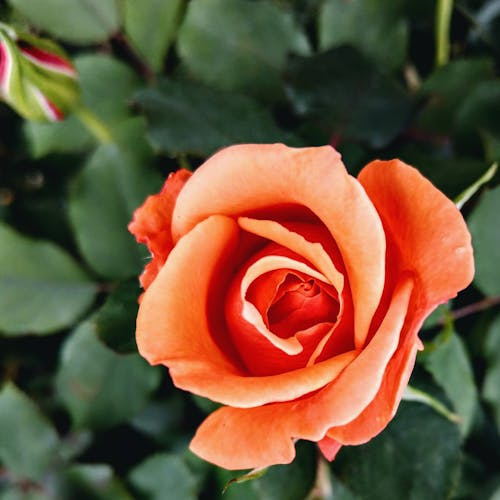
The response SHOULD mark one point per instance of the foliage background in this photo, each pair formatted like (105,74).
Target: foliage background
(81,414)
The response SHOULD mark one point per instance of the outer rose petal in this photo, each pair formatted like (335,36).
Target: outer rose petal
(183,340)
(152,220)
(236,438)
(241,179)
(433,241)
(375,417)
(425,226)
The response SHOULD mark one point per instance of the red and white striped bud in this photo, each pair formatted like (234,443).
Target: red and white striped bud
(36,77)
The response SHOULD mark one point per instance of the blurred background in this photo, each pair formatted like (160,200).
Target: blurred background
(165,83)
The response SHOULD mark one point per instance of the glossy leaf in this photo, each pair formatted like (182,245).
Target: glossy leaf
(28,441)
(43,289)
(96,481)
(104,195)
(446,89)
(164,477)
(152,44)
(492,378)
(76,21)
(99,387)
(248,53)
(345,94)
(483,224)
(422,446)
(185,117)
(383,41)
(115,320)
(447,360)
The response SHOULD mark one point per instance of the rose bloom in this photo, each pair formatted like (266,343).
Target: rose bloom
(293,293)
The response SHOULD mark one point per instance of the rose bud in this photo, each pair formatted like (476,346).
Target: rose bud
(36,77)
(292,293)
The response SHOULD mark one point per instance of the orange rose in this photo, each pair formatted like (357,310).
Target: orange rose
(293,293)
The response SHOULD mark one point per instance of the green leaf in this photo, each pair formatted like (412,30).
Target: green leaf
(99,387)
(28,442)
(95,481)
(186,117)
(239,45)
(293,481)
(66,136)
(479,110)
(446,89)
(345,94)
(43,289)
(107,84)
(18,492)
(75,21)
(115,320)
(141,17)
(483,225)
(447,361)
(416,457)
(164,477)
(104,195)
(280,482)
(492,379)
(384,41)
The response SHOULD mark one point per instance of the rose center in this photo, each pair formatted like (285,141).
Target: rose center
(298,303)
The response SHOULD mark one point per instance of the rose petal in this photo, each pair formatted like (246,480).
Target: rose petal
(375,417)
(184,342)
(425,226)
(329,447)
(312,251)
(242,179)
(233,437)
(151,223)
(250,313)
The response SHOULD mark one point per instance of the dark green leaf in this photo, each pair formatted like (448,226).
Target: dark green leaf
(99,387)
(352,23)
(115,321)
(65,136)
(416,458)
(239,45)
(348,96)
(107,83)
(448,362)
(43,289)
(479,110)
(95,481)
(164,477)
(76,21)
(491,385)
(447,88)
(189,118)
(28,441)
(152,44)
(483,225)
(280,482)
(103,198)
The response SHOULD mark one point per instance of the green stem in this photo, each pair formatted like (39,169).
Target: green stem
(94,125)
(442,33)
